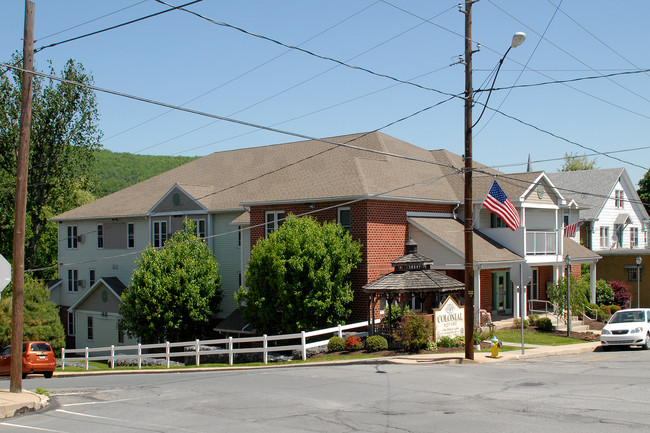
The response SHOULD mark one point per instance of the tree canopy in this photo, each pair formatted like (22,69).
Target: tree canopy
(64,135)
(575,162)
(175,291)
(41,319)
(298,277)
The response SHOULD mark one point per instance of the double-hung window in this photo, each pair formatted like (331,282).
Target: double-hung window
(200,228)
(71,324)
(72,237)
(619,199)
(274,220)
(345,218)
(159,233)
(100,236)
(73,280)
(634,237)
(130,235)
(91,277)
(90,328)
(604,237)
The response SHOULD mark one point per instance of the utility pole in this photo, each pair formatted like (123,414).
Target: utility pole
(22,164)
(469,223)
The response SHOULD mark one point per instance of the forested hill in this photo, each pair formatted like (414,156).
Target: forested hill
(115,171)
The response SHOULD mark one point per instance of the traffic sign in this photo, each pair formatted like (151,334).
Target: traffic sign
(5,273)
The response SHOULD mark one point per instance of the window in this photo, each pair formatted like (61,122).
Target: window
(345,218)
(71,324)
(416,303)
(632,273)
(90,327)
(200,228)
(73,280)
(618,199)
(72,237)
(566,219)
(130,235)
(604,237)
(120,337)
(533,287)
(159,233)
(100,235)
(496,221)
(239,237)
(634,237)
(91,277)
(274,220)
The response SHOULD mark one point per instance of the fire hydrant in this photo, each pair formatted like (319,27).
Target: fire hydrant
(495,347)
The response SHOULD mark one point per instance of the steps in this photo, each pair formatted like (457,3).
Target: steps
(576,325)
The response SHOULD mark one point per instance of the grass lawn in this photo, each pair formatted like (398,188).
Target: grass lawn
(514,336)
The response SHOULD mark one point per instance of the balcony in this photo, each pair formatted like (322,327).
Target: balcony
(538,243)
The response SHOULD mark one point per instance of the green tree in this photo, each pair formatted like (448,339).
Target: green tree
(175,291)
(298,277)
(644,190)
(604,293)
(41,320)
(579,295)
(574,162)
(63,138)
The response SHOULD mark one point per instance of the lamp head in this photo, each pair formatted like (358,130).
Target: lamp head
(567,259)
(638,260)
(518,39)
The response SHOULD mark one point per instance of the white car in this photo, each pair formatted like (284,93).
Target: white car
(627,328)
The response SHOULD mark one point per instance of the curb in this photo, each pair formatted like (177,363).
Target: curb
(13,404)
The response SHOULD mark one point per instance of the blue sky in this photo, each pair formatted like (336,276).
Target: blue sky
(177,57)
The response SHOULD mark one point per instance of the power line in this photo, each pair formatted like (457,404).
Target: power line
(238,77)
(91,21)
(172,8)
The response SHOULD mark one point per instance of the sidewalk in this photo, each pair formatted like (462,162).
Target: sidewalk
(12,404)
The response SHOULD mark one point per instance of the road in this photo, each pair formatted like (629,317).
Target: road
(592,392)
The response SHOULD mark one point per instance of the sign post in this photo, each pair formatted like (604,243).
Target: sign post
(523,274)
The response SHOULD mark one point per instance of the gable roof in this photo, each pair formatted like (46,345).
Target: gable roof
(598,183)
(306,171)
(113,284)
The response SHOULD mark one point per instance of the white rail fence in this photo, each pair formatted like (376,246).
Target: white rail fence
(230,346)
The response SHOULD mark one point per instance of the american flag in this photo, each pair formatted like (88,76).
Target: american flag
(570,230)
(499,204)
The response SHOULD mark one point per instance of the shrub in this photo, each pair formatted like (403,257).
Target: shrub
(532,319)
(544,324)
(604,293)
(591,309)
(447,342)
(416,332)
(352,342)
(614,308)
(518,323)
(478,337)
(396,315)
(376,343)
(622,294)
(336,344)
(431,345)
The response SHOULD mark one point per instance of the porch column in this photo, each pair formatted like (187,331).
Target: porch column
(592,282)
(477,296)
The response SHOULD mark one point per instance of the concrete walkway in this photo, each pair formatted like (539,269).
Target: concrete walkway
(12,404)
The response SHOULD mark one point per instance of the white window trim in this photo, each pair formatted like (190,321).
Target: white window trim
(73,237)
(100,236)
(276,216)
(72,325)
(128,238)
(343,209)
(73,280)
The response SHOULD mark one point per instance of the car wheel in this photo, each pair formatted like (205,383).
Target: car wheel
(24,375)
(605,348)
(48,374)
(646,346)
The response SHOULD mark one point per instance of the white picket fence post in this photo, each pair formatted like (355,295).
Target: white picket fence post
(230,352)
(63,359)
(167,352)
(303,342)
(198,349)
(139,356)
(86,358)
(265,352)
(340,331)
(112,360)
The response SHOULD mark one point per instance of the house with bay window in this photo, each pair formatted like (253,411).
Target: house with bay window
(384,191)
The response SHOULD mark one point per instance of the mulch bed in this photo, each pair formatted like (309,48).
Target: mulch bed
(587,336)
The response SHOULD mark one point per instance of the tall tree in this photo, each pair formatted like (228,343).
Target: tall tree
(298,277)
(64,136)
(175,291)
(575,162)
(644,190)
(41,316)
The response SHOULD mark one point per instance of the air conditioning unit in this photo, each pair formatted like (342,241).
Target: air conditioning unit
(81,239)
(81,283)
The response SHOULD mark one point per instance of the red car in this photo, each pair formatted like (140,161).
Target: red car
(37,358)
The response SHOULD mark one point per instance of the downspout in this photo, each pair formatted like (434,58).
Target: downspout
(453,212)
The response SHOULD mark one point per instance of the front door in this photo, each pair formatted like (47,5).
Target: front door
(501,293)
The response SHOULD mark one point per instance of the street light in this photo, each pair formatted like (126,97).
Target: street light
(567,260)
(638,281)
(517,39)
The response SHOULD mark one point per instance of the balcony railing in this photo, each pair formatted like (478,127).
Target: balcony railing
(541,243)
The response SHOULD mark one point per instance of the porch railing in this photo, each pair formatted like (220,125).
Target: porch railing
(541,242)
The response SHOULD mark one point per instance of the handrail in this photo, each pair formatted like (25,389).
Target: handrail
(223,346)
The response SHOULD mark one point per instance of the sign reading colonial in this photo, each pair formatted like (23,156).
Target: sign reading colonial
(448,320)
